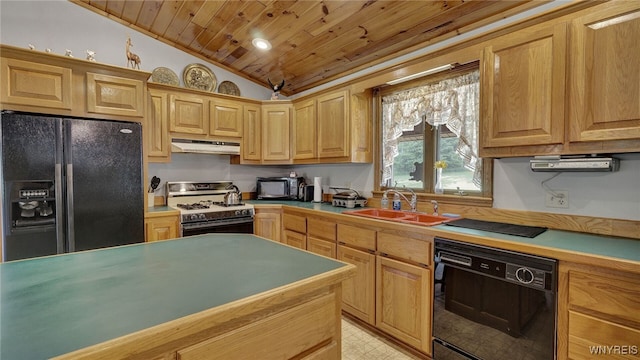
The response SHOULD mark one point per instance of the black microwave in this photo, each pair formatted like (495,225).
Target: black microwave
(279,188)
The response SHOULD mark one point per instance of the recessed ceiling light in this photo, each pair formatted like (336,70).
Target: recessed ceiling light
(261,44)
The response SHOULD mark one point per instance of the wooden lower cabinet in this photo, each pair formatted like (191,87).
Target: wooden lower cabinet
(322,247)
(403,295)
(308,331)
(358,292)
(598,313)
(267,222)
(321,236)
(295,239)
(161,227)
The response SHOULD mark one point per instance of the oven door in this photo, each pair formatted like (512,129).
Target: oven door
(233,226)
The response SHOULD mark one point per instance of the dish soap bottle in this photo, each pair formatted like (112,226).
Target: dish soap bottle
(384,202)
(397,204)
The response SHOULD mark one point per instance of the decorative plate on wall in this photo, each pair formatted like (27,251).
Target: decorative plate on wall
(229,88)
(198,76)
(163,75)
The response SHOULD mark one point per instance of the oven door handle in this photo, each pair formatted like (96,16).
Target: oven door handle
(454,258)
(214,223)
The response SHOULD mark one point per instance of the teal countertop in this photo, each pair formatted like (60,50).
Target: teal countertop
(54,305)
(325,206)
(599,245)
(589,244)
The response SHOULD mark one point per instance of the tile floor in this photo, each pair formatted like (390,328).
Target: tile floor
(360,344)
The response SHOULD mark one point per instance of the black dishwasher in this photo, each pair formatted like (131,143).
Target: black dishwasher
(492,304)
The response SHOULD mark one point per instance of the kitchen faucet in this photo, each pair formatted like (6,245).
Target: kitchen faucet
(412,203)
(435,207)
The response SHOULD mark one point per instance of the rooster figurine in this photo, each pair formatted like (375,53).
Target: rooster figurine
(276,89)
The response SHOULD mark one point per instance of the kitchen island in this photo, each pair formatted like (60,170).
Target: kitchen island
(208,296)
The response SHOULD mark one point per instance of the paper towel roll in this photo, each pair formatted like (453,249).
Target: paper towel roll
(317,189)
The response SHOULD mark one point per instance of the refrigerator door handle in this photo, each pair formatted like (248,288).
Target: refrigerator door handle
(59,210)
(70,226)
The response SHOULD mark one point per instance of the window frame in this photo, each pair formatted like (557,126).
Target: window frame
(482,197)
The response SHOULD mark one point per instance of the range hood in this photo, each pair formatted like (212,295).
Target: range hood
(205,147)
(577,163)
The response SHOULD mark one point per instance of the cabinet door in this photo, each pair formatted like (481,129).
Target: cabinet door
(358,297)
(295,239)
(161,228)
(403,298)
(33,84)
(304,131)
(321,247)
(251,134)
(188,114)
(114,95)
(268,223)
(275,133)
(157,128)
(523,87)
(361,128)
(225,118)
(333,125)
(605,74)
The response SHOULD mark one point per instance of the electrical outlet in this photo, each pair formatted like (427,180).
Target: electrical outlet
(559,200)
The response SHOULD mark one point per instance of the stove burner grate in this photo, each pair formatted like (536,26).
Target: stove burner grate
(194,206)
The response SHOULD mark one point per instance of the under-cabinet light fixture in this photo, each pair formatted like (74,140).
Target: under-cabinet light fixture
(261,44)
(421,74)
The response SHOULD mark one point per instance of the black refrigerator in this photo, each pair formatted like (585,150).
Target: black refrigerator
(69,184)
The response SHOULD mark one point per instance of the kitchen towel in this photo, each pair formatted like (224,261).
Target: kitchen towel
(317,189)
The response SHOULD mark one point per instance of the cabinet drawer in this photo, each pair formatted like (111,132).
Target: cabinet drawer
(405,248)
(588,334)
(356,236)
(321,228)
(282,336)
(295,222)
(596,293)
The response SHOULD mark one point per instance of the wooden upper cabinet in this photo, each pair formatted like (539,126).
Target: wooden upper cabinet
(605,73)
(276,121)
(333,125)
(226,118)
(157,128)
(39,82)
(251,148)
(35,84)
(188,114)
(523,87)
(115,95)
(361,127)
(303,131)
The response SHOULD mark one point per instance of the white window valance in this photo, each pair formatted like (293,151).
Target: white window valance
(452,102)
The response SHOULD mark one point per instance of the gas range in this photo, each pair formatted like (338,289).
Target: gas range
(202,203)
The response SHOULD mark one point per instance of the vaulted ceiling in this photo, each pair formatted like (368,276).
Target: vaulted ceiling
(313,41)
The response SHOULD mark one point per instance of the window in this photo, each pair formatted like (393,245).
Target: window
(433,120)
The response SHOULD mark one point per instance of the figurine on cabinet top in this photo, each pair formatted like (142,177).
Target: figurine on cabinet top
(276,89)
(91,55)
(132,59)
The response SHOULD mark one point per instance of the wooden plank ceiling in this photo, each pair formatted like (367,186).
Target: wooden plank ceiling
(314,41)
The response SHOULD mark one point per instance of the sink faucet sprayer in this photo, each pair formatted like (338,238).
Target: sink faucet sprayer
(384,202)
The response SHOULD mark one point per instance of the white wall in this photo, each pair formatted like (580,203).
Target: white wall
(60,25)
(609,194)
